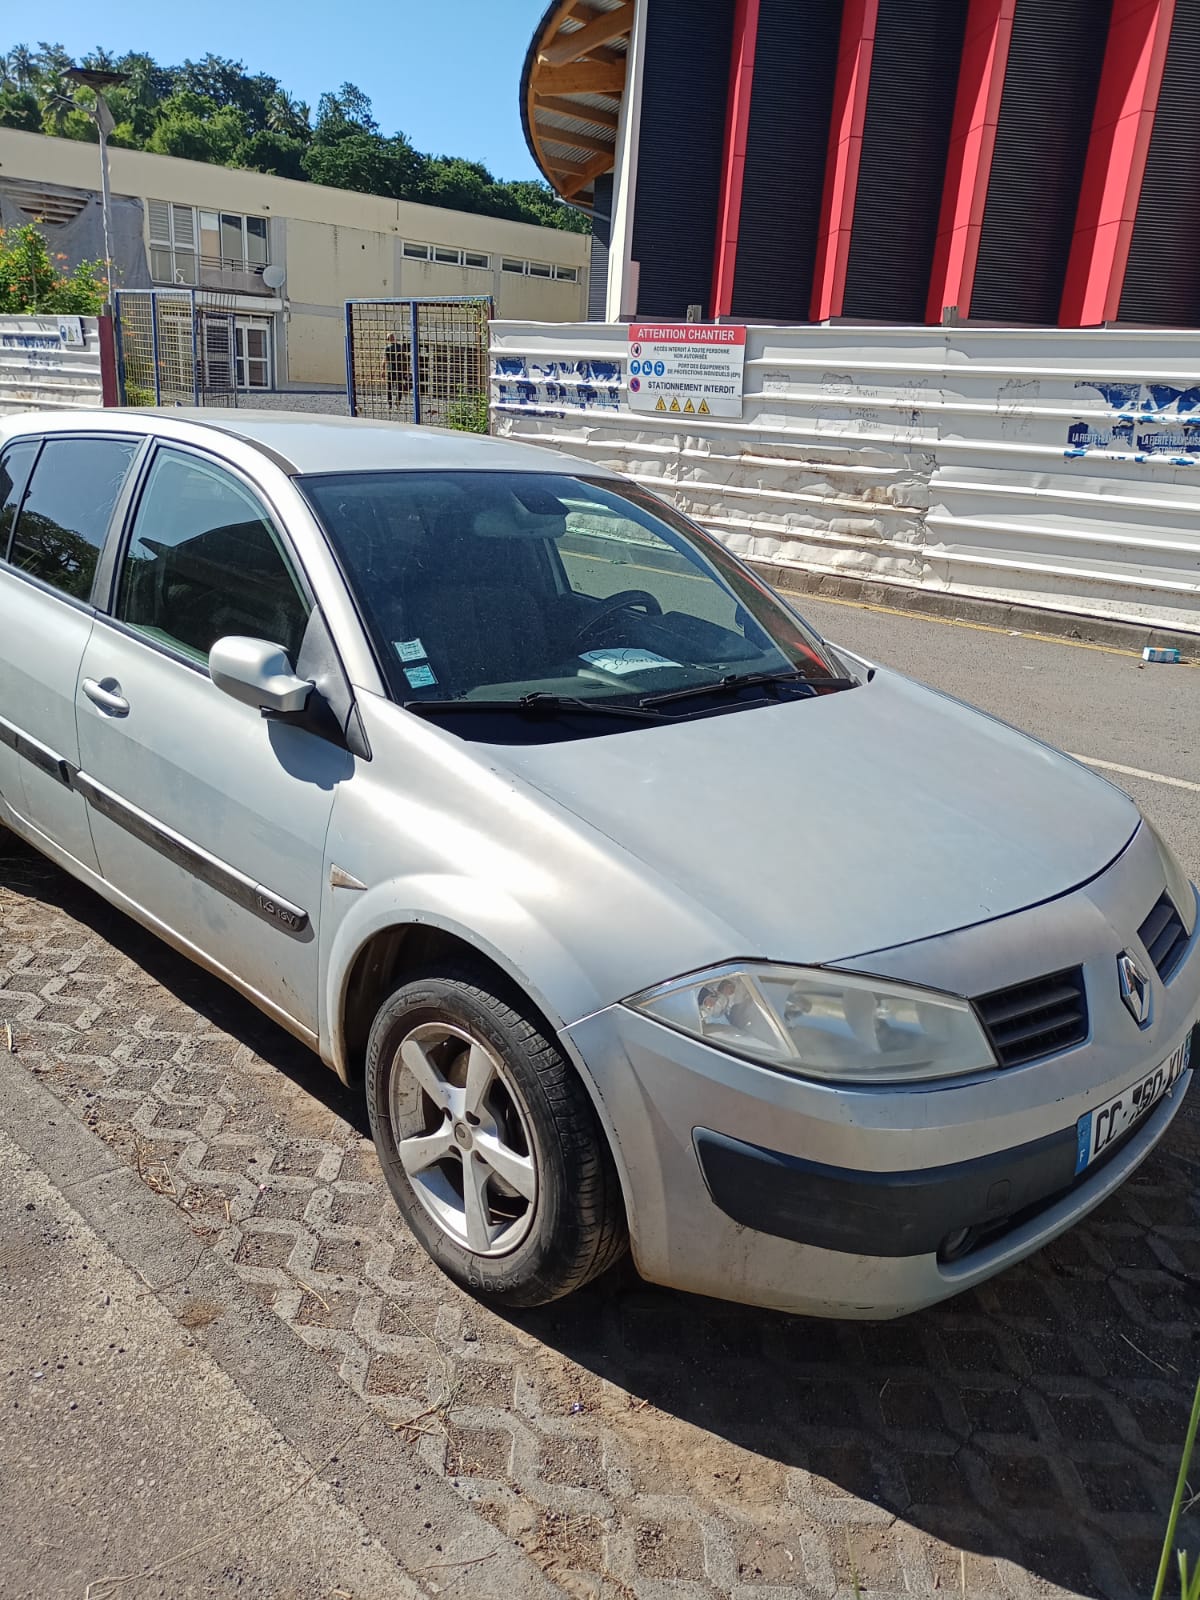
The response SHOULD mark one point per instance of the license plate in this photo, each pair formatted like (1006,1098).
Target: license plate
(1097,1129)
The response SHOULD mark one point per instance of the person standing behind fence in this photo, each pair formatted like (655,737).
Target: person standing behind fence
(395,371)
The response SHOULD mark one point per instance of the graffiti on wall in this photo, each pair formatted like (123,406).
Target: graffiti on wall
(1148,422)
(548,386)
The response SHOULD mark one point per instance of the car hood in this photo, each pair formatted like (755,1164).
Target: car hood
(825,828)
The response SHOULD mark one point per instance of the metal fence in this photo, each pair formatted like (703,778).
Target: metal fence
(175,347)
(450,341)
(1050,467)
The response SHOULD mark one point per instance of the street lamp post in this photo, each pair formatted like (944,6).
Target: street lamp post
(97,82)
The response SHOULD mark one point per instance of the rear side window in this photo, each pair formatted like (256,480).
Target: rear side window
(67,508)
(204,562)
(14,472)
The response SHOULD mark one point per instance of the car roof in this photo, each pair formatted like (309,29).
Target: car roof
(301,442)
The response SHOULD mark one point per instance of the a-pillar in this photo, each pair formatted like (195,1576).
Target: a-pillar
(969,158)
(841,163)
(737,123)
(1130,80)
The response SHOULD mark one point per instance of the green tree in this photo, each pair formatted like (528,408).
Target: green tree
(194,127)
(539,203)
(461,185)
(22,67)
(19,108)
(366,162)
(214,110)
(287,116)
(32,284)
(274,152)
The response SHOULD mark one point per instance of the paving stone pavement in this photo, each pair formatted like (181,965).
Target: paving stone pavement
(1020,1441)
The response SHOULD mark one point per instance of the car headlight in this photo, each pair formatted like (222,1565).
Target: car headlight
(823,1024)
(1178,885)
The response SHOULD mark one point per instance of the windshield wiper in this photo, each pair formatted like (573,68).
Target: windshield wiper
(540,701)
(745,680)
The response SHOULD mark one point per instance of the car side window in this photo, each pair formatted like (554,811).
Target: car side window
(64,517)
(204,562)
(14,474)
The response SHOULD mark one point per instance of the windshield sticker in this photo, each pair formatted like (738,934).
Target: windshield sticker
(618,662)
(409,649)
(420,677)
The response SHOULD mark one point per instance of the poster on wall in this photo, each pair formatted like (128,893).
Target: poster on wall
(686,368)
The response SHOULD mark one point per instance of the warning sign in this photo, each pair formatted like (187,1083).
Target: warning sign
(692,367)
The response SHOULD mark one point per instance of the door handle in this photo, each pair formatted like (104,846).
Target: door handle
(107,695)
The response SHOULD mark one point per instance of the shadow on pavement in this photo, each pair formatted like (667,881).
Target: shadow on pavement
(22,869)
(1037,1420)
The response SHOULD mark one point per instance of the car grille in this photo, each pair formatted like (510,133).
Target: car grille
(1164,937)
(1036,1018)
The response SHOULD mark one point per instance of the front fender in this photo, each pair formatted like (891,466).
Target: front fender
(481,914)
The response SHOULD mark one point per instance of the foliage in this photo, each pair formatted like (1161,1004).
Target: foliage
(469,413)
(137,395)
(214,110)
(1189,1580)
(31,284)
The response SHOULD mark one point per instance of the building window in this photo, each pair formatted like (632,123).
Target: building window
(252,353)
(172,243)
(230,242)
(183,241)
(541,269)
(448,255)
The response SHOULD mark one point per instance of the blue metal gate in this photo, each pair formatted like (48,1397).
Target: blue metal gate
(175,347)
(419,360)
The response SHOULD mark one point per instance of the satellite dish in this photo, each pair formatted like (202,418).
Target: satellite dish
(273,277)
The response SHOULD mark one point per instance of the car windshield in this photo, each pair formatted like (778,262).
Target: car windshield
(498,586)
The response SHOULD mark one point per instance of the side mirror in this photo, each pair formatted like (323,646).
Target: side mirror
(258,674)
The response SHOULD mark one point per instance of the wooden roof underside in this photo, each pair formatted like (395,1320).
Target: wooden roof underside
(573,82)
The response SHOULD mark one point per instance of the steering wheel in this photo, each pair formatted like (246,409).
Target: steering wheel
(609,608)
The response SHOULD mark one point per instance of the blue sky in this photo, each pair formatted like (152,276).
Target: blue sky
(445,72)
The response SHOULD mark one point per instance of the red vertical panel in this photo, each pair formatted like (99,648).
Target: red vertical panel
(969,159)
(1130,81)
(737,122)
(841,163)
(109,390)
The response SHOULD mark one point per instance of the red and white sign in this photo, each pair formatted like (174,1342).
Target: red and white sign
(686,368)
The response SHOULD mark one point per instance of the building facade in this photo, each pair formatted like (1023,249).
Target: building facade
(1012,162)
(284,256)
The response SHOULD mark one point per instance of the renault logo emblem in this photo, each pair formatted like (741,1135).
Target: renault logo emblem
(1135,988)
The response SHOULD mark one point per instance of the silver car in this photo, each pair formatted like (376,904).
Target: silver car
(639,912)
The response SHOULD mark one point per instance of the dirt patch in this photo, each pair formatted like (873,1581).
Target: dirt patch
(199,1313)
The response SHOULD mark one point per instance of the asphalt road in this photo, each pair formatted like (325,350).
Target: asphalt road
(1103,704)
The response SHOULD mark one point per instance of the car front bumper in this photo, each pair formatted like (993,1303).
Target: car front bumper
(749,1184)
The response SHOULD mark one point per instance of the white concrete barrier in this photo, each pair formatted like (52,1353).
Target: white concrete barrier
(48,363)
(1046,467)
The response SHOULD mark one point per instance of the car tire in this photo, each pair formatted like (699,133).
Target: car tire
(511,1188)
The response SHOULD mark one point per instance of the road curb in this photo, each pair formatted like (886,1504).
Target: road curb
(1133,636)
(430,1531)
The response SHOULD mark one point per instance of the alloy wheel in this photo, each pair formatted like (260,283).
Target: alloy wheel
(463,1138)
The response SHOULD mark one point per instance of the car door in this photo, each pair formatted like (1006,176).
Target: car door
(57,526)
(208,816)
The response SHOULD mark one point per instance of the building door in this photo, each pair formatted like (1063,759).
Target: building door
(252,352)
